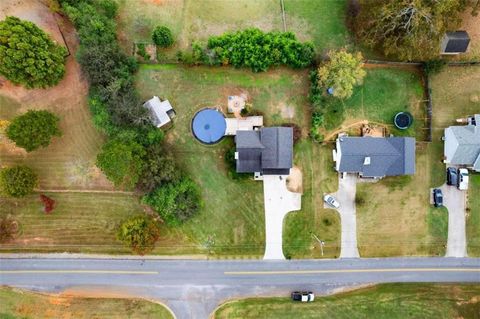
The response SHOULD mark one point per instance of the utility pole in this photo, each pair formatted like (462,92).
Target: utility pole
(321,242)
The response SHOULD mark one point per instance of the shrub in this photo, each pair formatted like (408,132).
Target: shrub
(176,201)
(28,56)
(141,51)
(33,129)
(139,233)
(159,168)
(162,36)
(121,161)
(434,66)
(8,228)
(48,203)
(258,50)
(17,181)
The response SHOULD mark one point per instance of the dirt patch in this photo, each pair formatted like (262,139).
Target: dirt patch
(471,24)
(287,111)
(294,180)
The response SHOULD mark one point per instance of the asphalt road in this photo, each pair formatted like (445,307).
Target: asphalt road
(193,288)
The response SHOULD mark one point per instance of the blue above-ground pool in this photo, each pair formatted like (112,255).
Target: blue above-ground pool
(208,126)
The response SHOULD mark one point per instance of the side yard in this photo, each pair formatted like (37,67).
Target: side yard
(455,94)
(387,301)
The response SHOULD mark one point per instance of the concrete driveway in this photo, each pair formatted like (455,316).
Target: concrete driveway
(455,201)
(347,188)
(279,201)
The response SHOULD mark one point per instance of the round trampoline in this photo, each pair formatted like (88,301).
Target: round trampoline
(208,126)
(403,120)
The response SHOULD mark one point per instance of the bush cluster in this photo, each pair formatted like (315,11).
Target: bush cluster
(162,36)
(259,50)
(139,233)
(33,129)
(133,155)
(28,56)
(17,181)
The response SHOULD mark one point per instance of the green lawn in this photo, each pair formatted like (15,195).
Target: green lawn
(384,93)
(389,301)
(321,21)
(394,217)
(473,217)
(19,304)
(232,218)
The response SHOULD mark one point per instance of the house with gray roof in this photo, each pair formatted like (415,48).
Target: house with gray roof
(161,112)
(375,157)
(268,151)
(462,144)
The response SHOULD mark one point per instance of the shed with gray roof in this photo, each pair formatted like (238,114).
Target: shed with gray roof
(375,157)
(455,42)
(268,151)
(161,112)
(462,144)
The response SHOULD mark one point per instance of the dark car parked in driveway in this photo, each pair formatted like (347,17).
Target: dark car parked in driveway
(452,176)
(437,197)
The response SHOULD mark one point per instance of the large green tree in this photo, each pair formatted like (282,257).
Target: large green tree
(407,29)
(139,232)
(341,73)
(34,129)
(159,168)
(17,181)
(28,56)
(122,161)
(176,201)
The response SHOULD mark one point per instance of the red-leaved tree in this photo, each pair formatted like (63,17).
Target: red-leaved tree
(48,203)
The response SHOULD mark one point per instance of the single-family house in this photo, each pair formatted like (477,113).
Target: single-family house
(454,43)
(375,157)
(161,112)
(462,144)
(268,151)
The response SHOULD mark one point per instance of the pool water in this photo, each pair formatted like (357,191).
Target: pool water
(208,126)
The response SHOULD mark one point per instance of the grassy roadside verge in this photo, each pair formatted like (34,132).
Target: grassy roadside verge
(387,301)
(15,303)
(473,217)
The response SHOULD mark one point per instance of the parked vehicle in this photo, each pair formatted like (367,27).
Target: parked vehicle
(330,200)
(452,176)
(437,197)
(303,296)
(462,179)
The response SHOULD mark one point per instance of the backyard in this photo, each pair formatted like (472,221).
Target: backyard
(387,301)
(16,303)
(455,94)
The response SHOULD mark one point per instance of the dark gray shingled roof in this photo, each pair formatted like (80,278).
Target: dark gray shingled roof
(269,151)
(455,42)
(389,156)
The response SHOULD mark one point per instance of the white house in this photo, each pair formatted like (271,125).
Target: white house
(161,112)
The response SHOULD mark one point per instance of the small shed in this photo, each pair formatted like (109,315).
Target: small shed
(161,112)
(455,42)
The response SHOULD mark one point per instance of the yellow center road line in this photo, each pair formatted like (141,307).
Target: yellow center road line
(334,271)
(78,271)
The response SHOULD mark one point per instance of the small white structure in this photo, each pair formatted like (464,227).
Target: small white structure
(161,112)
(249,123)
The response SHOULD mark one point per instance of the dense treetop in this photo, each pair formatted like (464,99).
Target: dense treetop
(34,129)
(17,181)
(28,56)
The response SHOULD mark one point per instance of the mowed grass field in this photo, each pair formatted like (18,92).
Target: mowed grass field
(232,218)
(322,22)
(16,303)
(192,20)
(388,301)
(456,94)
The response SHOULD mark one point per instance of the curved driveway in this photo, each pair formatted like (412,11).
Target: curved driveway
(193,288)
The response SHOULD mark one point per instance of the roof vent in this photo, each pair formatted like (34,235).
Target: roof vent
(366,161)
